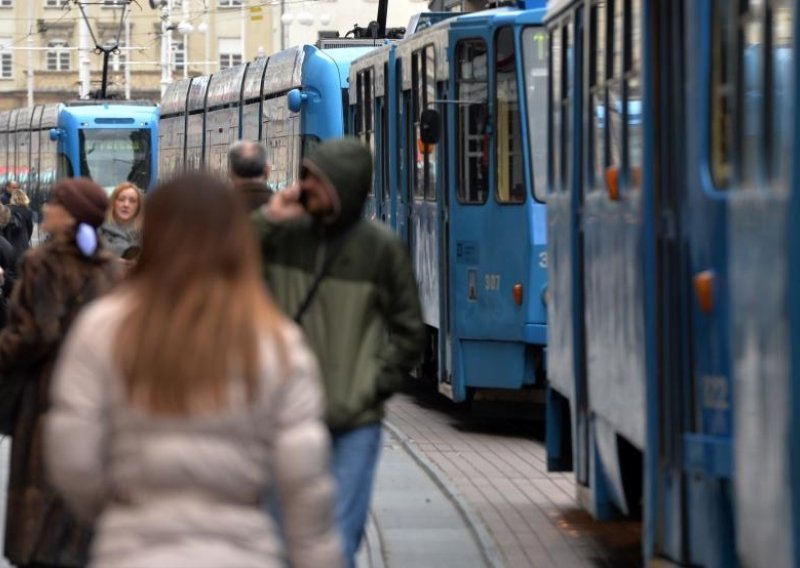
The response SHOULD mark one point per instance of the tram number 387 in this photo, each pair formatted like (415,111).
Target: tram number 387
(492,282)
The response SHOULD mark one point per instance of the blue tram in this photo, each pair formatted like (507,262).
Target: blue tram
(289,100)
(470,207)
(670,192)
(109,142)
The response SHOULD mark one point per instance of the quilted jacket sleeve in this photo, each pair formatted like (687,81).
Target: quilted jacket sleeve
(302,445)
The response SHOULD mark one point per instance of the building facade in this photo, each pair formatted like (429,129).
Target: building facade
(42,61)
(40,40)
(300,22)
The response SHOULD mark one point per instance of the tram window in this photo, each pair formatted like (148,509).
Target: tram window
(554,108)
(64,167)
(3,156)
(510,187)
(782,57)
(385,137)
(618,38)
(417,171)
(614,109)
(365,120)
(534,47)
(633,106)
(751,97)
(472,122)
(424,88)
(567,66)
(282,138)
(597,102)
(310,142)
(359,126)
(430,96)
(723,36)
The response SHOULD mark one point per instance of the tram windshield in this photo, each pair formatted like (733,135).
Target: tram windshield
(534,46)
(111,156)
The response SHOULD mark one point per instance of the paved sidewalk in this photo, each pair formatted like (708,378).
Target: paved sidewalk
(532,515)
(413,521)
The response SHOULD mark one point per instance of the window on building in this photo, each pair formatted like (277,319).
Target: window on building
(6,60)
(230,52)
(6,3)
(229,3)
(58,57)
(113,3)
(178,56)
(55,3)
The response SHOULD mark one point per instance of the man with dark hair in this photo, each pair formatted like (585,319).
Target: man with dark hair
(248,169)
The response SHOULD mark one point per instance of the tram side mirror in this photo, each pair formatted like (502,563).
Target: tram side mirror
(295,99)
(55,134)
(430,126)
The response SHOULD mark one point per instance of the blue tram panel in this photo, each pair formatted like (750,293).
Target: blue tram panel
(110,142)
(671,359)
(469,207)
(289,100)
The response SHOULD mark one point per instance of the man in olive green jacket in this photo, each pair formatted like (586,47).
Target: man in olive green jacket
(363,321)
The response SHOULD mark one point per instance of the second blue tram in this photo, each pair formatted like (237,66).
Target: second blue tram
(289,100)
(469,207)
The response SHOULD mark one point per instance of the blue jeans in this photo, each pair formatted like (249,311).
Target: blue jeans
(353,461)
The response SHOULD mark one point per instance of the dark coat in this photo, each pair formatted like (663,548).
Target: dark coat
(365,322)
(55,281)
(19,229)
(254,193)
(8,262)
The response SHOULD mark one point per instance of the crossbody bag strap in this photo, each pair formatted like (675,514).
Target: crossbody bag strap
(336,246)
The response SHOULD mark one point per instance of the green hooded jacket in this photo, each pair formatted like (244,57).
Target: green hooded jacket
(364,323)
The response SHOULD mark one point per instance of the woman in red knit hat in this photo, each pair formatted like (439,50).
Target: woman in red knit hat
(55,280)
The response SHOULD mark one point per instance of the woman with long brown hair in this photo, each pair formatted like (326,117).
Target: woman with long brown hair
(193,396)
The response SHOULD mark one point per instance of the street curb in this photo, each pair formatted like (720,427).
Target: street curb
(373,539)
(486,544)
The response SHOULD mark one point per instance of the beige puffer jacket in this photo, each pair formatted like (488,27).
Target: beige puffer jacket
(188,492)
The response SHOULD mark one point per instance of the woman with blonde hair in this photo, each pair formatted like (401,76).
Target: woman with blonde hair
(192,398)
(123,225)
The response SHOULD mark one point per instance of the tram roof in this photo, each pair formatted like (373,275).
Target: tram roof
(112,114)
(499,16)
(343,56)
(554,7)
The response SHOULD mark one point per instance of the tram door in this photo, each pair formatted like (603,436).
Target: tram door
(567,395)
(763,319)
(706,412)
(424,175)
(666,274)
